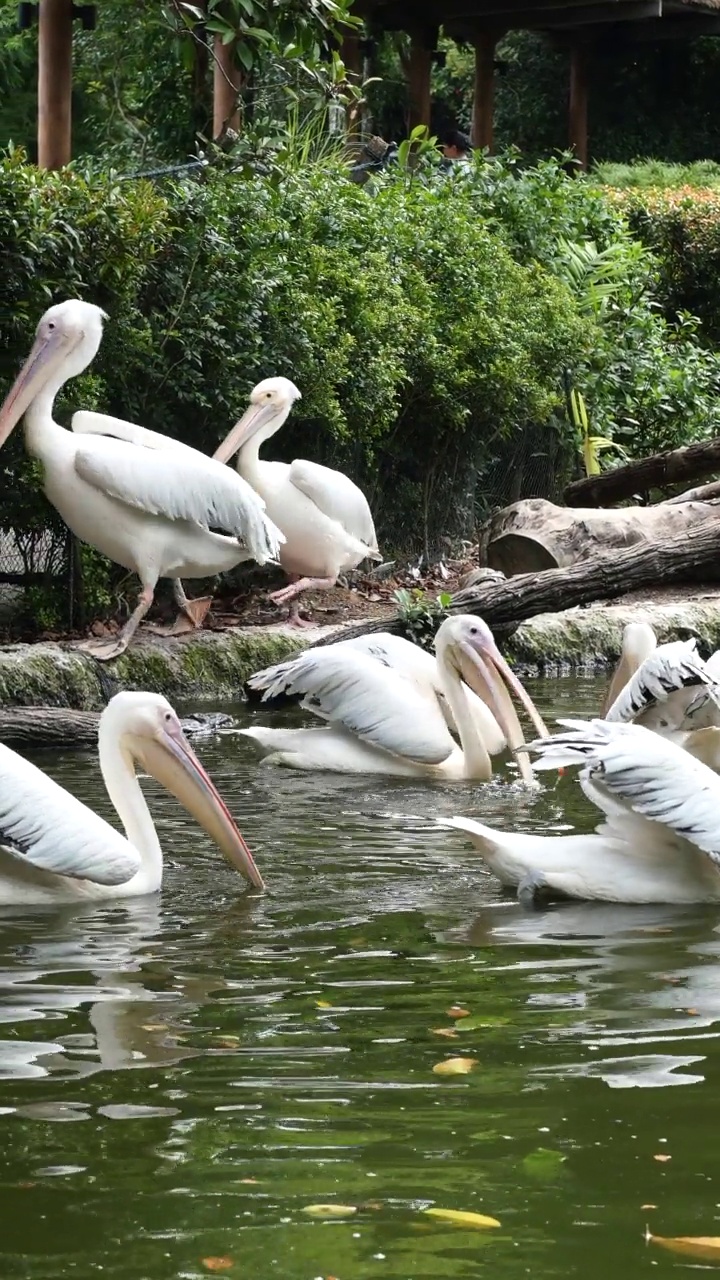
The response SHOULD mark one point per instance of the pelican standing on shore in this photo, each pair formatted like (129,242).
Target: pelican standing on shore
(53,849)
(389,719)
(144,500)
(325,518)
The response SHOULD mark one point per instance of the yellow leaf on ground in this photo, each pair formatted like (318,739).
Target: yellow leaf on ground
(323,1004)
(692,1246)
(454,1066)
(461,1218)
(218,1264)
(449,1032)
(329,1210)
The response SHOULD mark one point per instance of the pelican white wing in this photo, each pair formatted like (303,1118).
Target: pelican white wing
(419,665)
(673,669)
(382,706)
(338,497)
(651,775)
(45,827)
(180,484)
(87,422)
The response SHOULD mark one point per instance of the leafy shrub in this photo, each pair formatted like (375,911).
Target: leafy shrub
(429,321)
(682,227)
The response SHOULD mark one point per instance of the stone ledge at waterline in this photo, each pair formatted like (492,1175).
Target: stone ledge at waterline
(215,664)
(211,664)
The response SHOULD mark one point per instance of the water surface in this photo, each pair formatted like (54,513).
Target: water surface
(181,1077)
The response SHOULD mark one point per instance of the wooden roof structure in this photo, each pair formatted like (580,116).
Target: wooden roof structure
(579,25)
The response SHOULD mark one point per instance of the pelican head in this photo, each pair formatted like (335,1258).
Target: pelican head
(66,340)
(270,403)
(638,642)
(149,734)
(467,645)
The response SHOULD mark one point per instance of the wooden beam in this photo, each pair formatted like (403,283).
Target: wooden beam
(689,27)
(227,83)
(419,76)
(516,13)
(54,128)
(579,102)
(484,92)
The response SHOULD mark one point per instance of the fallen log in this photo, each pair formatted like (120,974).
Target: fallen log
(693,555)
(703,493)
(534,534)
(32,727)
(37,728)
(688,463)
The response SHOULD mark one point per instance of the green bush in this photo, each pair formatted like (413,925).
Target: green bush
(429,321)
(682,227)
(419,344)
(648,378)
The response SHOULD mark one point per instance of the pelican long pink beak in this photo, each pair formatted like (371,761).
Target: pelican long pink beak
(495,679)
(173,763)
(49,350)
(255,417)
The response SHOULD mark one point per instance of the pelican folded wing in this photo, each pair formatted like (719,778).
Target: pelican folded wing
(180,485)
(366,697)
(44,826)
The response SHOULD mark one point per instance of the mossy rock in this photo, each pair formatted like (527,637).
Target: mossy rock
(553,643)
(209,664)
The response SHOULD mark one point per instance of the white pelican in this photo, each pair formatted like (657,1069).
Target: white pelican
(382,719)
(670,690)
(144,500)
(416,664)
(324,516)
(659,840)
(53,849)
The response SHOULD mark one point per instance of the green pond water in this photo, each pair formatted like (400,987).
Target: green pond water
(181,1077)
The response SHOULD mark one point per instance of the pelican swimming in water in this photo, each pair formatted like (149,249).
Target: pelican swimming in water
(411,662)
(325,518)
(144,500)
(658,841)
(384,718)
(53,849)
(670,689)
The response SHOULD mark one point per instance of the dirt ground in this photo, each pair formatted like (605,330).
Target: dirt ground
(368,596)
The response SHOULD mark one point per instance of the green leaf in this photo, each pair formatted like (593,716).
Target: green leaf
(543,1164)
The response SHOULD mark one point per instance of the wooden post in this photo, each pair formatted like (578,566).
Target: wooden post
(419,73)
(54,130)
(484,94)
(579,102)
(227,83)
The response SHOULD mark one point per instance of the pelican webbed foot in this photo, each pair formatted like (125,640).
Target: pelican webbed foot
(534,891)
(105,650)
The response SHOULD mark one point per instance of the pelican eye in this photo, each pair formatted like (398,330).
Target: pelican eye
(51,324)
